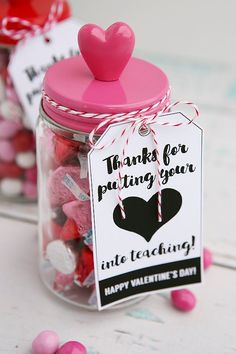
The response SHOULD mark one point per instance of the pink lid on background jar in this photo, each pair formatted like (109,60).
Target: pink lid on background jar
(71,84)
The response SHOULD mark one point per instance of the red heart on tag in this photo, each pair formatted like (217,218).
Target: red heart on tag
(106,52)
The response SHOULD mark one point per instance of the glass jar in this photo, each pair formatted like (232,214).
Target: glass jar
(63,239)
(18,171)
(65,227)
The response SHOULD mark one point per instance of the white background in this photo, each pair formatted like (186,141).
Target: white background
(203,29)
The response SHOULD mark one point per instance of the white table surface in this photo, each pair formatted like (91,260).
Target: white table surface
(152,326)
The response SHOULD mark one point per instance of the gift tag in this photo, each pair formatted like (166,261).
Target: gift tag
(141,254)
(31,59)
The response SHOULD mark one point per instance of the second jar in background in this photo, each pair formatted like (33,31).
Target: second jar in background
(18,170)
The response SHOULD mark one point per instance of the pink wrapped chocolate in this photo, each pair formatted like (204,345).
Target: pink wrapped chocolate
(80,212)
(60,190)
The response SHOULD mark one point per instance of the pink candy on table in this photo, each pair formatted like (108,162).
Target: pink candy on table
(47,342)
(80,212)
(7,152)
(183,299)
(207,258)
(72,347)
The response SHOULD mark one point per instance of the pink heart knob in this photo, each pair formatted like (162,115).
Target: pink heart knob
(106,52)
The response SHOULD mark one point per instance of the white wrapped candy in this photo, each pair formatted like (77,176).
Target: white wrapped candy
(11,187)
(25,159)
(61,257)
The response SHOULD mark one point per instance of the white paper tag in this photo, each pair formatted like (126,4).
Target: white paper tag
(31,59)
(139,255)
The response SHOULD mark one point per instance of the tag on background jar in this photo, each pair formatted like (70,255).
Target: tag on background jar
(31,59)
(140,255)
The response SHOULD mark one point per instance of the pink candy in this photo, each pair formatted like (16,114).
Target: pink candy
(7,152)
(72,347)
(207,258)
(47,342)
(63,282)
(31,174)
(80,212)
(9,128)
(58,193)
(183,300)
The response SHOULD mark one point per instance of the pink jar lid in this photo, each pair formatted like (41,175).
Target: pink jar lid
(71,84)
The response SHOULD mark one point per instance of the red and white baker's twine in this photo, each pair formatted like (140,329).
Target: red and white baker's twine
(137,119)
(29,29)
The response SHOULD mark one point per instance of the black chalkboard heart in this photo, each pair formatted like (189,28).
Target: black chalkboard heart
(141,216)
